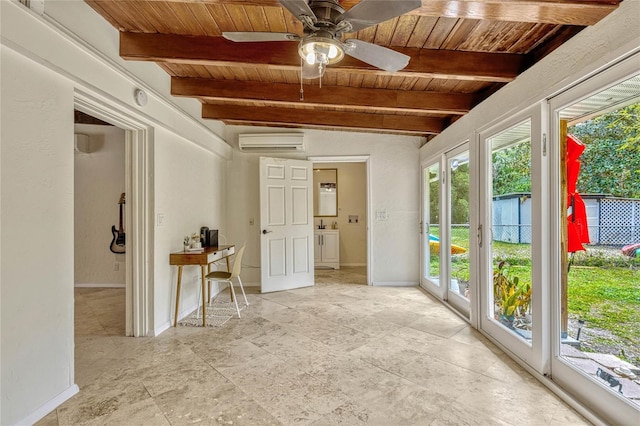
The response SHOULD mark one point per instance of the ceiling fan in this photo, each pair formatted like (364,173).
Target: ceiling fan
(325,21)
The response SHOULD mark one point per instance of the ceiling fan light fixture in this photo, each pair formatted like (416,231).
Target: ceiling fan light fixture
(323,50)
(310,58)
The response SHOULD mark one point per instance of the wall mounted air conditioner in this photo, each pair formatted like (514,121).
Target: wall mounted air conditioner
(274,142)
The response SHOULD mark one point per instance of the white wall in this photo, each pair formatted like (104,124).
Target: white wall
(352,200)
(190,193)
(394,191)
(37,237)
(43,66)
(98,183)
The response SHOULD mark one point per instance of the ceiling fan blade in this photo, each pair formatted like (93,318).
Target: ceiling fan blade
(259,36)
(309,72)
(378,56)
(299,8)
(372,12)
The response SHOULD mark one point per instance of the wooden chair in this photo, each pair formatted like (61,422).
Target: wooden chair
(228,277)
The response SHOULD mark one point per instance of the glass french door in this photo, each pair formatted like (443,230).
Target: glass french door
(457,238)
(594,342)
(446,231)
(431,228)
(512,289)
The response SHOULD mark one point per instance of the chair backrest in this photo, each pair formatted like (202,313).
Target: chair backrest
(237,263)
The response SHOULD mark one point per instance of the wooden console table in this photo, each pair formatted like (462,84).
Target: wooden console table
(204,259)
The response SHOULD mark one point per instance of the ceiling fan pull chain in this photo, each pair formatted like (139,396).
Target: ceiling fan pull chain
(301,85)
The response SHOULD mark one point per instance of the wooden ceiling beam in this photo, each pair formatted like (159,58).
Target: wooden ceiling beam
(276,116)
(565,12)
(428,63)
(284,94)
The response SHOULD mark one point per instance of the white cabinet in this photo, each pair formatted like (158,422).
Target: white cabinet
(327,248)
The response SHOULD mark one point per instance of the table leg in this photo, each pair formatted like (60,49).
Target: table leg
(208,284)
(204,288)
(175,319)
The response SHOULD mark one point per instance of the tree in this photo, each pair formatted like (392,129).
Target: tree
(460,194)
(511,169)
(611,160)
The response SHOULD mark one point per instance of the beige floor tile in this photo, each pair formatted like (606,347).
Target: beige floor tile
(335,353)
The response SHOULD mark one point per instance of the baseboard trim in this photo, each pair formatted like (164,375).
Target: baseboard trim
(353,264)
(164,327)
(49,406)
(395,283)
(98,285)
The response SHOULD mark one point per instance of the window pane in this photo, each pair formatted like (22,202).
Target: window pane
(511,229)
(459,219)
(600,304)
(432,223)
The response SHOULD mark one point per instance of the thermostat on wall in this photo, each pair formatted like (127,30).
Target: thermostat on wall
(81,143)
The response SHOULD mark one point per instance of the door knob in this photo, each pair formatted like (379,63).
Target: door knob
(264,231)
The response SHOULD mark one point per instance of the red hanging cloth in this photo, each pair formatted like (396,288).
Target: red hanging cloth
(577,227)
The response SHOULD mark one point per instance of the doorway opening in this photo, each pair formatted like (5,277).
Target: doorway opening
(137,216)
(341,219)
(99,227)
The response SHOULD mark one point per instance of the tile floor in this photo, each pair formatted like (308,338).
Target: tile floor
(335,353)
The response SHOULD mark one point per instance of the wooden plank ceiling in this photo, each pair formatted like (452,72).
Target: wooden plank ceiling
(461,52)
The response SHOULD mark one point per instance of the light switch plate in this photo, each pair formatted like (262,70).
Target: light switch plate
(160,220)
(381,215)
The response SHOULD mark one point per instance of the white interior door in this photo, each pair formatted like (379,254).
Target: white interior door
(286,218)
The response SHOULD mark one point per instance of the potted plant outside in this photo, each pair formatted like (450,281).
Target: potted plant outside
(512,297)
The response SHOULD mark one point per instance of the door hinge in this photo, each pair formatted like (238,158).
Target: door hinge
(480,236)
(544,144)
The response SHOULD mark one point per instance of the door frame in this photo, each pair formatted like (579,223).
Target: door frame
(356,159)
(139,183)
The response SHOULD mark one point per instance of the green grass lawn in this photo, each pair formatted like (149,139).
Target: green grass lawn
(608,298)
(603,287)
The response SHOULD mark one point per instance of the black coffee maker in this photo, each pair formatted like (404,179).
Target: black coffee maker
(204,236)
(208,237)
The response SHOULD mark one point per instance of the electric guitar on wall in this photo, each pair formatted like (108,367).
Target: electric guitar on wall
(117,243)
